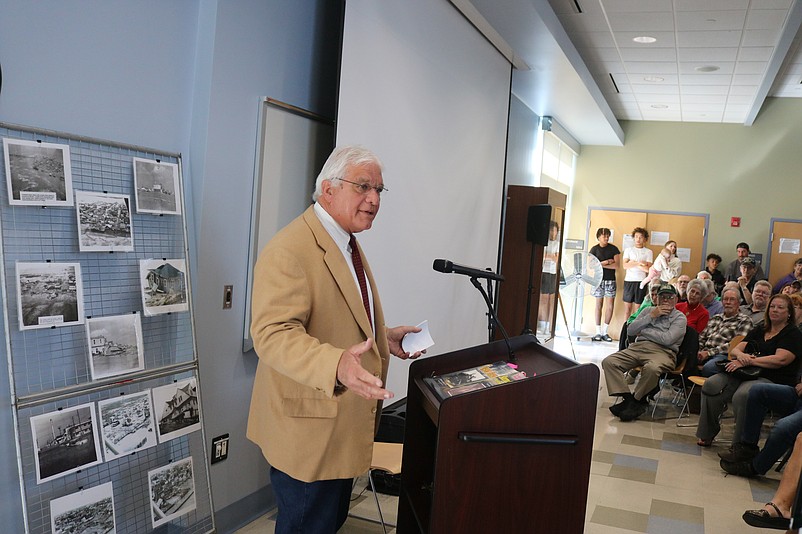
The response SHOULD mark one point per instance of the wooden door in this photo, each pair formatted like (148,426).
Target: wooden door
(782,263)
(687,230)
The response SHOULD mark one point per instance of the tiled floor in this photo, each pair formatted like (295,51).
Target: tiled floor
(647,476)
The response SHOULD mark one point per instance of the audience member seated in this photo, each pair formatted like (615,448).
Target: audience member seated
(711,266)
(733,271)
(695,312)
(703,275)
(681,285)
(791,287)
(659,332)
(745,458)
(747,280)
(722,328)
(772,347)
(625,338)
(777,512)
(712,302)
(796,300)
(793,276)
(760,296)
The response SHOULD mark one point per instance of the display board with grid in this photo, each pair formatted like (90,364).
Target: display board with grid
(58,362)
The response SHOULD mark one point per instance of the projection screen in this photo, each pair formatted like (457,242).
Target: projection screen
(423,89)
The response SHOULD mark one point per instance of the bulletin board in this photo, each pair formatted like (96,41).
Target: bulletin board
(98,314)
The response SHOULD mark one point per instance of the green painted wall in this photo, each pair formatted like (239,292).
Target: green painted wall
(724,170)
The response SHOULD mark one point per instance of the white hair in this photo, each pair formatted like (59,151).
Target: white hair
(338,162)
(698,284)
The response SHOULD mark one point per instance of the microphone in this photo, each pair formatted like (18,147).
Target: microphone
(447,266)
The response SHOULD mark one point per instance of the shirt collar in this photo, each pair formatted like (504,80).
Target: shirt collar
(340,236)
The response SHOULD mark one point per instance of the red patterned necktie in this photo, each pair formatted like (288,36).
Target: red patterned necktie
(360,276)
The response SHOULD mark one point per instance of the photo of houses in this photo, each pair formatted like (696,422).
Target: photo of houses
(90,511)
(164,286)
(127,424)
(172,491)
(104,222)
(115,345)
(176,408)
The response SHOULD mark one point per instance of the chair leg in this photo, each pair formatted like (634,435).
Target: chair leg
(376,498)
(685,406)
(661,382)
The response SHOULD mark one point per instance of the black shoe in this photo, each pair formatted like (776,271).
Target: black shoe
(597,337)
(607,338)
(633,411)
(619,407)
(740,469)
(764,519)
(740,452)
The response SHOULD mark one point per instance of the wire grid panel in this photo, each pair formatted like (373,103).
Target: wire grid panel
(46,359)
(128,474)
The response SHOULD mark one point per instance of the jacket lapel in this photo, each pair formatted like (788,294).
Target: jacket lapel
(341,273)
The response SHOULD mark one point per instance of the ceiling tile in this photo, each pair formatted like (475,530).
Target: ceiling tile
(740,99)
(661,89)
(712,39)
(648,54)
(614,6)
(690,80)
(651,67)
(673,100)
(760,38)
(707,54)
(664,39)
(750,67)
(755,53)
(702,108)
(645,22)
(710,5)
(743,90)
(766,19)
(640,79)
(705,89)
(710,20)
(702,116)
(703,99)
(746,79)
(691,68)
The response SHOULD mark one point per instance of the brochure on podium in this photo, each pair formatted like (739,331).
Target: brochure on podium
(474,378)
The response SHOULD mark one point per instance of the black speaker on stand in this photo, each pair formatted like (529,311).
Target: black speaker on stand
(538,217)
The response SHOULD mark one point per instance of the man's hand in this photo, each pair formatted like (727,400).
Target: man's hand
(798,389)
(703,355)
(742,281)
(661,309)
(394,337)
(352,375)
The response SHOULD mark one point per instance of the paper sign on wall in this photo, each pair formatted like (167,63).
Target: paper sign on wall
(789,246)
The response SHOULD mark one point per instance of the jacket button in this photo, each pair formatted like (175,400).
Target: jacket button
(373,411)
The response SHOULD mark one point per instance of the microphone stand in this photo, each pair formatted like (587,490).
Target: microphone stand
(493,317)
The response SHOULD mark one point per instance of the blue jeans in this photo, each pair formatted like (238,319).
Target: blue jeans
(710,368)
(782,400)
(319,507)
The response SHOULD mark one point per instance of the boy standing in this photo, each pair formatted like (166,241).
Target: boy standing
(608,255)
(637,260)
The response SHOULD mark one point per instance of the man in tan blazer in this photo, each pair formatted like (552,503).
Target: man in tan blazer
(323,348)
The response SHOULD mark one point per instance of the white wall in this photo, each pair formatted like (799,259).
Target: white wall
(424,90)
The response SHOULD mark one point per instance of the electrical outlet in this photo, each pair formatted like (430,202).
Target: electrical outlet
(219,448)
(228,293)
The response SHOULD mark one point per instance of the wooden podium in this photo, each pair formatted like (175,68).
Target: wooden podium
(511,458)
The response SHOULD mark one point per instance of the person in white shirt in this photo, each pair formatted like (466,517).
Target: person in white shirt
(637,260)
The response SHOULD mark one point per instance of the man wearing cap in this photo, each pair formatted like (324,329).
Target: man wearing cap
(733,271)
(747,280)
(658,333)
(795,275)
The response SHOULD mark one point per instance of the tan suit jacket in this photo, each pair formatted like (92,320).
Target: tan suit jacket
(306,310)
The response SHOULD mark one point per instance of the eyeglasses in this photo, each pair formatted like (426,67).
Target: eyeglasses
(365,187)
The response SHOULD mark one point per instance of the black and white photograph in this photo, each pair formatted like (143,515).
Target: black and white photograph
(176,409)
(104,222)
(89,511)
(164,286)
(65,441)
(115,345)
(126,424)
(49,294)
(38,174)
(157,188)
(172,491)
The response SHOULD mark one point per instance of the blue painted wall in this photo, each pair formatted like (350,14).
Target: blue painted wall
(184,76)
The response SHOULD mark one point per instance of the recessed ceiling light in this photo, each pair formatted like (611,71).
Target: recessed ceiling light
(659,106)
(653,79)
(644,39)
(707,68)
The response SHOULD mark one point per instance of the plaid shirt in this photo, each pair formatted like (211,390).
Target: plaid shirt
(716,337)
